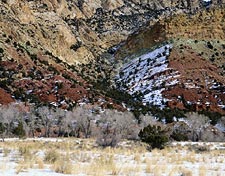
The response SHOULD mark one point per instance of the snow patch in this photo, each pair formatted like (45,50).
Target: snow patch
(148,75)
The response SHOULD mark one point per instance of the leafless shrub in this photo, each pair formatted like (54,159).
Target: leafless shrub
(108,136)
(197,123)
(9,118)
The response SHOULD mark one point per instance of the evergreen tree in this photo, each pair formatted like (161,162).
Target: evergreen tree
(154,136)
(19,130)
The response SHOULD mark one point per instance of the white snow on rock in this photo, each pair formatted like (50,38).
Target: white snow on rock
(150,75)
(220,126)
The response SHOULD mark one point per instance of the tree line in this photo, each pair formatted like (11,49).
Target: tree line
(107,126)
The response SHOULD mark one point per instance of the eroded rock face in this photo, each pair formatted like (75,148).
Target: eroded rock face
(56,25)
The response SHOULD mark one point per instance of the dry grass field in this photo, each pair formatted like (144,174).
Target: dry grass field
(52,157)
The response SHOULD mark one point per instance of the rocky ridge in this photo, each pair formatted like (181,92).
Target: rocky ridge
(78,31)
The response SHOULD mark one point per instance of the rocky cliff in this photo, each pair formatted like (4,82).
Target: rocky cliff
(78,31)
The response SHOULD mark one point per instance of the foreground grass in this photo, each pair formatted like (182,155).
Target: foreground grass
(84,157)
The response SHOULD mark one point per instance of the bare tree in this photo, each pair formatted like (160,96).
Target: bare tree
(31,122)
(8,117)
(2,124)
(84,118)
(146,120)
(67,124)
(114,125)
(108,136)
(46,116)
(126,125)
(198,123)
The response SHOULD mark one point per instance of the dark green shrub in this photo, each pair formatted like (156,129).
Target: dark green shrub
(66,76)
(33,57)
(154,136)
(76,46)
(1,50)
(177,136)
(53,69)
(213,116)
(2,128)
(209,45)
(19,131)
(28,43)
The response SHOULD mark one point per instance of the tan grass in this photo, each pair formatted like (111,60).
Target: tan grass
(86,158)
(156,152)
(190,157)
(186,172)
(153,160)
(62,165)
(51,156)
(24,165)
(25,152)
(103,165)
(83,157)
(131,170)
(157,170)
(202,170)
(6,152)
(77,169)
(40,163)
(137,158)
(149,168)
(173,171)
(3,166)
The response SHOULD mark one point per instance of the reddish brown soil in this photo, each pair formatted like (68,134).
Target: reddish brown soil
(199,74)
(5,98)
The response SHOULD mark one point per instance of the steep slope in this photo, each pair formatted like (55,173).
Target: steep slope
(146,75)
(190,75)
(78,31)
(61,52)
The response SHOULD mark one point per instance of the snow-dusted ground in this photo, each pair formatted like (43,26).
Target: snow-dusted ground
(147,74)
(85,158)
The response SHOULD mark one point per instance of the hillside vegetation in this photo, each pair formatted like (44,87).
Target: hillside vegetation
(163,59)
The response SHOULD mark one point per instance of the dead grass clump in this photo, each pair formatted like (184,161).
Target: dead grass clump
(6,152)
(40,163)
(202,171)
(83,157)
(149,168)
(20,168)
(137,158)
(103,165)
(190,157)
(3,166)
(63,165)
(51,156)
(199,149)
(157,170)
(25,152)
(174,170)
(156,152)
(131,170)
(185,172)
(24,165)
